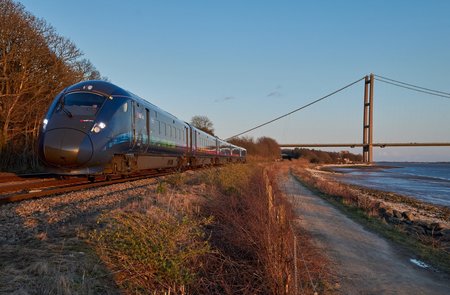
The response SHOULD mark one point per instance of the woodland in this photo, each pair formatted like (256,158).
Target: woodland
(36,63)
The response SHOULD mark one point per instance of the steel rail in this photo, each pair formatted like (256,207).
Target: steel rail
(20,185)
(45,192)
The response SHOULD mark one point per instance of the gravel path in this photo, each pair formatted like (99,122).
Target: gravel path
(364,262)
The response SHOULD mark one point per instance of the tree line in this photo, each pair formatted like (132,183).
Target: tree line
(35,65)
(263,147)
(321,157)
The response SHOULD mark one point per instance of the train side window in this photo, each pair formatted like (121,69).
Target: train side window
(125,107)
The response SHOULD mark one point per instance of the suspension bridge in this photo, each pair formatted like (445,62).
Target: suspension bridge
(367,124)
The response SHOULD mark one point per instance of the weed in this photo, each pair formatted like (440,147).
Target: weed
(161,188)
(153,250)
(176,180)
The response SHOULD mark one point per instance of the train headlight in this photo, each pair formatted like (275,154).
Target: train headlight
(98,127)
(44,125)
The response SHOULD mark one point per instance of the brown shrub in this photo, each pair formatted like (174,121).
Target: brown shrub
(263,147)
(259,248)
(240,241)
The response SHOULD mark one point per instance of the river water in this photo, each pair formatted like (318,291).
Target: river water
(429,182)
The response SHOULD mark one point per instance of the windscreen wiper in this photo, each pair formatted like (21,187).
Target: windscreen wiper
(61,106)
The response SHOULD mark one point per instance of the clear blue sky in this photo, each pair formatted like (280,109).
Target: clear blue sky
(242,63)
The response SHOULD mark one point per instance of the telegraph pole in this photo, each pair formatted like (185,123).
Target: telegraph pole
(368,120)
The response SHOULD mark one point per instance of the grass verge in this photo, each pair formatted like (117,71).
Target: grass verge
(217,231)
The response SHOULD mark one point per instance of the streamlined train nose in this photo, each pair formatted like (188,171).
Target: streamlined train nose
(67,147)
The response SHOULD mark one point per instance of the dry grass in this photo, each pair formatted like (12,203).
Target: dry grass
(152,249)
(216,231)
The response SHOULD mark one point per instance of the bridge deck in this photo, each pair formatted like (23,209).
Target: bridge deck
(352,145)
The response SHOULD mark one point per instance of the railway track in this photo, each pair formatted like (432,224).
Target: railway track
(16,188)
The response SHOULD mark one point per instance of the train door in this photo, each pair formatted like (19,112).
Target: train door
(133,125)
(191,137)
(140,127)
(186,131)
(147,129)
(195,141)
(217,146)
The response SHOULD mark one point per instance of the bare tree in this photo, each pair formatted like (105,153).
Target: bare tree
(203,123)
(35,64)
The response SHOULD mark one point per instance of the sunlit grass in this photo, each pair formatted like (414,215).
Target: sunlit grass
(224,230)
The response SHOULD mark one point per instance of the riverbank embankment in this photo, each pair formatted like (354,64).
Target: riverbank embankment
(363,262)
(421,227)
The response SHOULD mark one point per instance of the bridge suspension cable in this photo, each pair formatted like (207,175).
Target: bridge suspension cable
(298,109)
(412,87)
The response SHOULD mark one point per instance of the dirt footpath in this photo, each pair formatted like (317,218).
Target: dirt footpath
(364,262)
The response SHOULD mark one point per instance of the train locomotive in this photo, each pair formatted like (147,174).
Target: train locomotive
(97,128)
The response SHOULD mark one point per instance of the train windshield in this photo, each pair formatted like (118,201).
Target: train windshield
(81,103)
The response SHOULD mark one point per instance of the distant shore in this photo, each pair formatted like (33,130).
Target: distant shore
(335,167)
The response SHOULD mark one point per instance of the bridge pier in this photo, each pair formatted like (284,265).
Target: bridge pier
(368,120)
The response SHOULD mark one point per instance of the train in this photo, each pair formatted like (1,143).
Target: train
(96,128)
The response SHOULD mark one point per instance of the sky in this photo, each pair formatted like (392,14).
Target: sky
(242,63)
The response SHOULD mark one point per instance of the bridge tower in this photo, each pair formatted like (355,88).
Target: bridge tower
(368,120)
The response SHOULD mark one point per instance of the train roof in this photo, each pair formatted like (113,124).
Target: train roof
(110,89)
(103,87)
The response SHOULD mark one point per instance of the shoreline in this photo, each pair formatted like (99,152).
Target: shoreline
(426,184)
(362,260)
(373,167)
(442,212)
(425,223)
